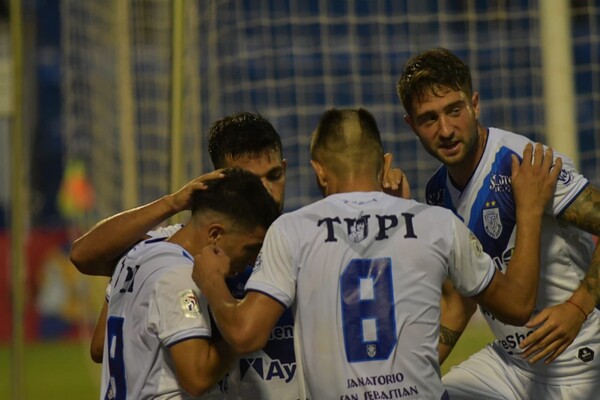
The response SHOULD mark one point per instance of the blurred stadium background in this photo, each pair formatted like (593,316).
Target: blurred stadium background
(105,105)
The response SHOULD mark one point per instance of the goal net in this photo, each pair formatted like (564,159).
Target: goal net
(290,60)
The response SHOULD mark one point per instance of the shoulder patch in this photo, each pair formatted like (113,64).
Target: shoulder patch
(476,244)
(189,304)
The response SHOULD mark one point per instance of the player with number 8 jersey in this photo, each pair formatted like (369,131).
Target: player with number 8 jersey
(363,272)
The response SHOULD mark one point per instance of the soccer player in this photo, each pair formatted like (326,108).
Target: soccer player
(474,182)
(243,140)
(363,271)
(158,332)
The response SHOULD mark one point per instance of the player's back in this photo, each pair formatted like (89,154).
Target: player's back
(370,271)
(135,363)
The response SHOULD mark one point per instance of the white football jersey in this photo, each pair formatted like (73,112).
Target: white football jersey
(487,207)
(153,304)
(364,273)
(267,374)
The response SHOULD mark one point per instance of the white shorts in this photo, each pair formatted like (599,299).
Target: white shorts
(486,375)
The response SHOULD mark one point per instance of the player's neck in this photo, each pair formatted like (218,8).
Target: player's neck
(355,184)
(185,238)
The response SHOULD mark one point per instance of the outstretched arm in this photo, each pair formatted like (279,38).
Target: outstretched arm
(511,297)
(559,325)
(245,324)
(96,252)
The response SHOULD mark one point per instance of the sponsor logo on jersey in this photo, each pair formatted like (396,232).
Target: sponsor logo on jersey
(491,220)
(277,360)
(585,354)
(189,304)
(500,183)
(268,369)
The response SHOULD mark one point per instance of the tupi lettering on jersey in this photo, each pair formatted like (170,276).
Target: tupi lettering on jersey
(357,229)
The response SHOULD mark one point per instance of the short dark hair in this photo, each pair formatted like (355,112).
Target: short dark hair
(239,195)
(336,143)
(241,134)
(434,71)
(330,128)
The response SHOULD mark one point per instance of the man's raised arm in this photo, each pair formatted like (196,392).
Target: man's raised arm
(96,251)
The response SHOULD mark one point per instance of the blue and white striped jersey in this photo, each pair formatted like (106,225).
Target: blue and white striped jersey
(487,207)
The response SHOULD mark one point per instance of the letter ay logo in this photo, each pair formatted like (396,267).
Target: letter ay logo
(585,354)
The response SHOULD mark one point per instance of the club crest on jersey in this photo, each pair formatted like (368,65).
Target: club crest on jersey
(189,304)
(358,229)
(491,221)
(371,350)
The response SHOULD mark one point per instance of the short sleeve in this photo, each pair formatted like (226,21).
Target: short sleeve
(470,268)
(275,272)
(569,185)
(177,311)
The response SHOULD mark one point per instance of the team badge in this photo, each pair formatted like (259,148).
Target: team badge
(189,304)
(371,350)
(492,222)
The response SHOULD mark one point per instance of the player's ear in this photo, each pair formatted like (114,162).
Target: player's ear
(215,232)
(320,172)
(475,102)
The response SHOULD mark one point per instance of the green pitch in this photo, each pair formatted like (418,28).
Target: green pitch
(64,370)
(53,370)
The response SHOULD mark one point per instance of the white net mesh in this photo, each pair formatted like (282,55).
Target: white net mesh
(290,61)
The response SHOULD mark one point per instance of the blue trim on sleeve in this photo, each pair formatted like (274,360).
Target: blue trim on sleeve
(268,295)
(187,338)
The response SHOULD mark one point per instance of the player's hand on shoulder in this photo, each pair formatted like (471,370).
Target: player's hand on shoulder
(182,199)
(394,181)
(534,178)
(210,260)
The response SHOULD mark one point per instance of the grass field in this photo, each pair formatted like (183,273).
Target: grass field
(64,370)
